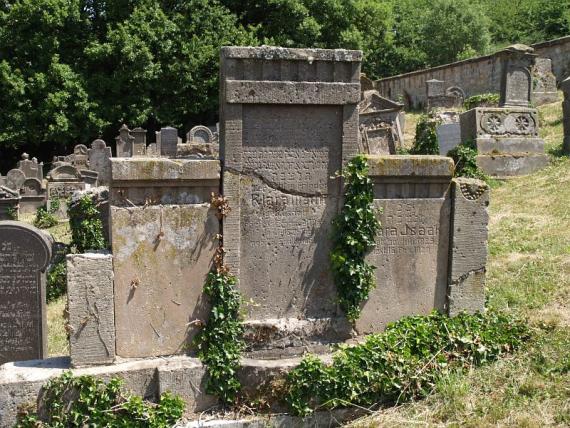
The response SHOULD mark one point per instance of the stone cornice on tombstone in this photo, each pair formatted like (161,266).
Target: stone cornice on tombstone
(410,165)
(146,169)
(273,53)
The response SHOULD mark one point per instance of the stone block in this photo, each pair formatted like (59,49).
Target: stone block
(162,254)
(91,308)
(502,166)
(468,253)
(186,378)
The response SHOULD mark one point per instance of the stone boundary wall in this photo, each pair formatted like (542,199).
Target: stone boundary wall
(475,75)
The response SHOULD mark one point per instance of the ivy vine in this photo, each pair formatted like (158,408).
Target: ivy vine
(354,232)
(426,142)
(86,225)
(220,343)
(70,401)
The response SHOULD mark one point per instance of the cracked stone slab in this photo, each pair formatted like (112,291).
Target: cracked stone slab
(468,255)
(91,310)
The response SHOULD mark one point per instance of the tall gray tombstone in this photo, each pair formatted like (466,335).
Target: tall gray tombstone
(565,87)
(25,253)
(100,161)
(289,121)
(124,142)
(168,141)
(139,142)
(516,79)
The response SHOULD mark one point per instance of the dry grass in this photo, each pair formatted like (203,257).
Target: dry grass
(529,273)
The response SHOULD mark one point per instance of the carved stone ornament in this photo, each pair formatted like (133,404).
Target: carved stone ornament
(473,191)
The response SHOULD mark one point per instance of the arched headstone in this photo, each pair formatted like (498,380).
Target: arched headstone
(15,179)
(25,253)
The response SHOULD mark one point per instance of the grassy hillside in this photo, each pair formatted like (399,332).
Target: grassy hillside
(528,272)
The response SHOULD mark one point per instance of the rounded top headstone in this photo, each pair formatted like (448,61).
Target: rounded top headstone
(15,178)
(25,156)
(30,238)
(98,144)
(80,149)
(200,135)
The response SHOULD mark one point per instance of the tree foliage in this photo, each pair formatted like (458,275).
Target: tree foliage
(74,70)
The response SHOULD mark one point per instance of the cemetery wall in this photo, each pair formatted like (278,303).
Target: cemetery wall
(475,75)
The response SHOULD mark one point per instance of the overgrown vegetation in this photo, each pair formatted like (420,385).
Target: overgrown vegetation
(464,156)
(45,218)
(425,142)
(481,100)
(354,232)
(220,343)
(404,362)
(56,281)
(70,401)
(86,225)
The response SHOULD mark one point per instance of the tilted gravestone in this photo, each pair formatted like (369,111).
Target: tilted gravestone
(25,253)
(289,121)
(507,137)
(565,86)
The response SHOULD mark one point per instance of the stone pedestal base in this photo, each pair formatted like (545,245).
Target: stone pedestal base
(507,140)
(510,165)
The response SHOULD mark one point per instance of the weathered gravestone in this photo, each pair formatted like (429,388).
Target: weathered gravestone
(544,82)
(31,168)
(507,138)
(201,142)
(124,142)
(163,241)
(33,195)
(25,253)
(565,86)
(380,127)
(100,161)
(168,142)
(15,179)
(289,121)
(62,182)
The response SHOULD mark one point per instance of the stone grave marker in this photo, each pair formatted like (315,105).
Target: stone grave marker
(139,142)
(25,253)
(516,84)
(289,121)
(100,161)
(168,141)
(62,182)
(31,168)
(124,142)
(80,157)
(33,195)
(448,136)
(15,179)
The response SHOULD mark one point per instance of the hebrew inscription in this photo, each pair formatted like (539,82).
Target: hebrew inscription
(24,256)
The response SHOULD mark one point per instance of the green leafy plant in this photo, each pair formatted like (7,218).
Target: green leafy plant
(426,142)
(45,218)
(86,225)
(12,213)
(465,157)
(354,232)
(220,343)
(404,361)
(56,281)
(69,401)
(481,100)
